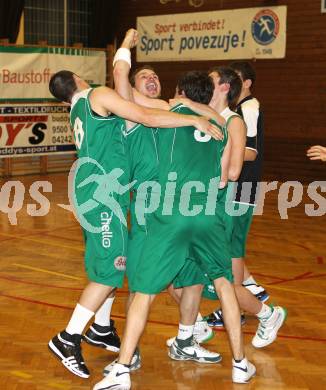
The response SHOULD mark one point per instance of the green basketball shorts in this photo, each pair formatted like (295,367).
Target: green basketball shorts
(172,239)
(105,251)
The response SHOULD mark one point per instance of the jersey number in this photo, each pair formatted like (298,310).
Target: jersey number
(78,132)
(201,138)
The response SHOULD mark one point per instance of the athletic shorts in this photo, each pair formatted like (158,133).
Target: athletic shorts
(172,239)
(191,274)
(238,238)
(105,251)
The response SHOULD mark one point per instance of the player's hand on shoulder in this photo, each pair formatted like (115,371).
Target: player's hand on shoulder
(179,100)
(205,126)
(317,152)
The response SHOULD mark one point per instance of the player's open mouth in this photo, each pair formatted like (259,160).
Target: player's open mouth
(151,87)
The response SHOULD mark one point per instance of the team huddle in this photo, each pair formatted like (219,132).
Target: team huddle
(192,168)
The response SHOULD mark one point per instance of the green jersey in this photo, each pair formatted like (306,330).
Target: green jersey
(193,155)
(101,148)
(143,154)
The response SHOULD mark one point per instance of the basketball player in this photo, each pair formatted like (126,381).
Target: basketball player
(248,108)
(101,190)
(270,319)
(186,157)
(146,91)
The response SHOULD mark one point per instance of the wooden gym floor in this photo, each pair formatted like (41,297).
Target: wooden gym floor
(42,277)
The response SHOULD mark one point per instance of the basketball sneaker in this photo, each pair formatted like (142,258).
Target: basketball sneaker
(242,371)
(117,379)
(215,319)
(189,349)
(134,365)
(202,333)
(103,337)
(258,291)
(67,348)
(268,327)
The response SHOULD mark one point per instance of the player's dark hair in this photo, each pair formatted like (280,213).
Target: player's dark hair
(137,70)
(245,69)
(62,85)
(229,76)
(197,86)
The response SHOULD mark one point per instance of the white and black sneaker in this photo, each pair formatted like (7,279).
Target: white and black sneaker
(103,337)
(189,349)
(268,327)
(117,379)
(202,333)
(242,371)
(67,348)
(134,365)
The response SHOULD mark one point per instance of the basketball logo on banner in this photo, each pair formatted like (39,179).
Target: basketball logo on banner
(265,27)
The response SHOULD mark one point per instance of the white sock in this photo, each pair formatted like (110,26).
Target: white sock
(249,280)
(265,312)
(199,317)
(185,331)
(79,319)
(242,363)
(102,316)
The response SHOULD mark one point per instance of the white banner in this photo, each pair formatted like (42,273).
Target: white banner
(37,129)
(25,71)
(217,35)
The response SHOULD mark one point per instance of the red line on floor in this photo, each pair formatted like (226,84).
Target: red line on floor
(315,276)
(151,321)
(268,276)
(36,302)
(298,277)
(11,279)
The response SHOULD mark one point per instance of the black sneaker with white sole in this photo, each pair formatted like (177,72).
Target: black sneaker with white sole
(67,348)
(103,337)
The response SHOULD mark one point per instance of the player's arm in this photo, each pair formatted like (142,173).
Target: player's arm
(250,117)
(122,64)
(150,102)
(104,100)
(201,109)
(317,152)
(237,132)
(225,163)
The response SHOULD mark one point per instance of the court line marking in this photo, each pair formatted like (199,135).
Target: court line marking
(298,291)
(295,278)
(21,374)
(47,271)
(41,242)
(150,321)
(11,279)
(267,276)
(58,385)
